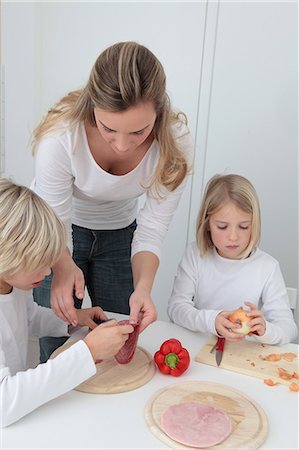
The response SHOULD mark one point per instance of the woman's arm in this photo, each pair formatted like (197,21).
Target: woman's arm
(54,183)
(68,279)
(144,267)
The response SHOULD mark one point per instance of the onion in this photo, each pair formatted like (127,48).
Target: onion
(239,316)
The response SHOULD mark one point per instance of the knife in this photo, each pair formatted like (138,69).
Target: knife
(219,349)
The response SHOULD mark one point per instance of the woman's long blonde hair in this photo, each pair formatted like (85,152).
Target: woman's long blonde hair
(31,235)
(124,75)
(220,190)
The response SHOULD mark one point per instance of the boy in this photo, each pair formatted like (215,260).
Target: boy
(32,239)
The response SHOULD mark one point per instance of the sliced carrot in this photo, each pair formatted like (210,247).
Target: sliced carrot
(272,357)
(294,387)
(284,374)
(289,356)
(270,382)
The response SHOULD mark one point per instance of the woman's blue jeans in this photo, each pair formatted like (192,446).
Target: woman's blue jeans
(105,259)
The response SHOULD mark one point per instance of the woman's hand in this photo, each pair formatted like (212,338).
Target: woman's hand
(86,316)
(224,327)
(68,280)
(257,322)
(142,309)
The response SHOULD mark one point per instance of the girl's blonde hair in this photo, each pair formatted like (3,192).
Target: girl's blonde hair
(220,190)
(124,75)
(31,235)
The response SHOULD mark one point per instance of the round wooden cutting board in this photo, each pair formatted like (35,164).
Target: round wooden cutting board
(112,377)
(250,425)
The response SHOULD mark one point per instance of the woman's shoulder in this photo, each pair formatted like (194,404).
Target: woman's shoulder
(182,135)
(64,135)
(179,124)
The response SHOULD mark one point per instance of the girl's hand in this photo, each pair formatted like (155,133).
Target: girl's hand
(86,316)
(224,327)
(142,309)
(257,323)
(106,339)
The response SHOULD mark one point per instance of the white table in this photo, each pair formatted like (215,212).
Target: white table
(78,420)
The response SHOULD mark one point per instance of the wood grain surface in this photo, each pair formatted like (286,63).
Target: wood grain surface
(246,358)
(250,425)
(112,377)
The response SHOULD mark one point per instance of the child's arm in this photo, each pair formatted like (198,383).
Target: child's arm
(181,308)
(43,321)
(89,317)
(280,325)
(27,390)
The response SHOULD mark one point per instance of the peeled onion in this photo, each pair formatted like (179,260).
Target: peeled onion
(239,316)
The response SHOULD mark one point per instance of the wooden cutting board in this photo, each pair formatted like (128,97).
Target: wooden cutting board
(246,357)
(112,377)
(250,425)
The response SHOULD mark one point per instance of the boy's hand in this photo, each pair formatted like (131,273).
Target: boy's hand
(106,339)
(257,322)
(87,316)
(224,326)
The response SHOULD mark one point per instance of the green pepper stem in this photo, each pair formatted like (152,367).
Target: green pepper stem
(171,360)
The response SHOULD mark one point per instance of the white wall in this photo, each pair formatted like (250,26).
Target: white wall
(232,67)
(252,118)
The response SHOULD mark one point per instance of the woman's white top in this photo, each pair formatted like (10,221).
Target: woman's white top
(205,286)
(21,389)
(82,193)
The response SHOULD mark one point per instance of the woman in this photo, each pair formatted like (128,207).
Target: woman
(98,150)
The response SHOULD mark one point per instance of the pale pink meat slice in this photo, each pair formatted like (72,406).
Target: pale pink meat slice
(196,424)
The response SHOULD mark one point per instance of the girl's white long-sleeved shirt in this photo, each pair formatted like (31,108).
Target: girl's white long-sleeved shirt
(205,286)
(21,389)
(81,192)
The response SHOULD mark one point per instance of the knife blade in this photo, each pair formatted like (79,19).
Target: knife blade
(219,350)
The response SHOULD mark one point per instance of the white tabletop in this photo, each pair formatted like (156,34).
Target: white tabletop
(79,420)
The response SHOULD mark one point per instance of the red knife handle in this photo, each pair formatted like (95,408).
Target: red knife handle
(220,344)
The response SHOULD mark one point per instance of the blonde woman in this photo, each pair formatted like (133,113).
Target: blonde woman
(98,150)
(224,269)
(32,239)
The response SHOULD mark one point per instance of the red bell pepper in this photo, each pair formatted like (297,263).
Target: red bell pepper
(172,358)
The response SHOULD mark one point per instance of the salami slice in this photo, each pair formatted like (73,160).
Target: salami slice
(126,353)
(196,424)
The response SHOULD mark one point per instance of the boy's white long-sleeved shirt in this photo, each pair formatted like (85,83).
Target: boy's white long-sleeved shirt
(205,286)
(81,192)
(21,389)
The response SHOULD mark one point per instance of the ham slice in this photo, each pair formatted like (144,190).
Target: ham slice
(196,424)
(126,353)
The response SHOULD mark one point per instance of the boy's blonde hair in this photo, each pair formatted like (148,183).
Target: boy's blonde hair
(31,235)
(220,190)
(124,75)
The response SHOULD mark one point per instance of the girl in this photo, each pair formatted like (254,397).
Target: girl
(224,268)
(31,241)
(98,150)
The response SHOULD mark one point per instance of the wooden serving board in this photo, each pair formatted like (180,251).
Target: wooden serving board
(112,377)
(250,425)
(246,357)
